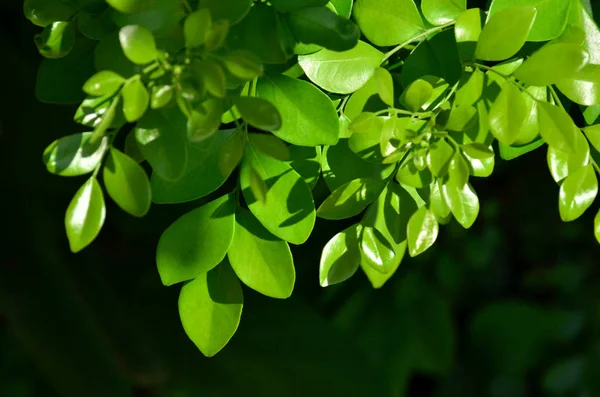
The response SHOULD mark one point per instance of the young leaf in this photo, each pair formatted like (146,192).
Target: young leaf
(210,308)
(385,86)
(161,139)
(437,202)
(387,23)
(196,27)
(340,257)
(422,231)
(417,94)
(259,113)
(212,75)
(438,157)
(74,155)
(582,87)
(467,30)
(577,193)
(138,44)
(85,215)
(458,170)
(161,96)
(551,64)
(597,226)
(105,82)
(478,151)
(270,145)
(439,12)
(557,128)
(288,209)
(56,40)
(196,242)
(261,261)
(376,251)
(127,183)
(308,116)
(135,99)
(505,33)
(508,114)
(206,121)
(321,26)
(463,203)
(342,72)
(350,199)
(366,122)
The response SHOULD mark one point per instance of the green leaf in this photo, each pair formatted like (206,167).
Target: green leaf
(210,308)
(204,122)
(512,152)
(261,261)
(343,7)
(243,65)
(231,10)
(204,172)
(132,149)
(306,161)
(258,187)
(467,30)
(259,113)
(557,127)
(56,40)
(597,226)
(196,242)
(422,231)
(376,251)
(366,122)
(438,157)
(561,164)
(437,202)
(196,27)
(550,20)
(293,5)
(74,155)
(45,12)
(138,44)
(288,210)
(340,165)
(212,75)
(127,183)
(350,199)
(463,203)
(416,95)
(321,26)
(161,138)
(580,17)
(161,96)
(439,12)
(505,33)
(583,87)
(508,114)
(269,145)
(458,170)
(392,135)
(85,215)
(217,35)
(577,193)
(388,22)
(109,55)
(308,118)
(95,26)
(551,64)
(105,82)
(340,257)
(593,134)
(341,72)
(128,6)
(385,86)
(478,151)
(135,99)
(162,17)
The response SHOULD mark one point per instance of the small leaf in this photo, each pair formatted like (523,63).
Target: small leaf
(438,157)
(105,82)
(206,121)
(230,154)
(508,114)
(467,31)
(270,145)
(262,261)
(196,27)
(422,231)
(463,203)
(85,215)
(478,151)
(127,183)
(258,187)
(437,202)
(259,113)
(161,96)
(135,99)
(458,170)
(505,33)
(366,122)
(210,308)
(56,40)
(392,135)
(340,257)
(439,12)
(138,44)
(592,133)
(74,155)
(350,199)
(417,94)
(577,193)
(213,77)
(376,251)
(387,23)
(243,64)
(196,242)
(557,128)
(385,86)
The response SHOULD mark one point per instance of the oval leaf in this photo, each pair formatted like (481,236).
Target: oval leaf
(138,44)
(422,231)
(85,215)
(74,155)
(350,199)
(259,113)
(577,193)
(340,257)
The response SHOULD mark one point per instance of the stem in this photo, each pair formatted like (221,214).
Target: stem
(416,38)
(447,98)
(555,96)
(187,6)
(507,78)
(343,104)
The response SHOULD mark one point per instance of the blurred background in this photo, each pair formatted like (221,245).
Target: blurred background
(508,308)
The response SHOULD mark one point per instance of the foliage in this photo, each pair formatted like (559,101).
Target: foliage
(245,104)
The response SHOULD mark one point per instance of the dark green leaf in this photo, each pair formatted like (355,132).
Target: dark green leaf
(127,5)
(340,257)
(213,77)
(350,199)
(231,10)
(74,155)
(577,193)
(243,65)
(196,242)
(270,145)
(44,12)
(261,261)
(85,215)
(259,113)
(210,308)
(205,121)
(132,148)
(138,44)
(127,183)
(56,40)
(292,5)
(196,27)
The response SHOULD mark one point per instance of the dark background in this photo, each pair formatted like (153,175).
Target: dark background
(508,308)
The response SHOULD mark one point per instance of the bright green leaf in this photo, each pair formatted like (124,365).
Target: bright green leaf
(583,87)
(508,114)
(85,215)
(306,161)
(105,82)
(138,44)
(161,96)
(388,22)
(340,257)
(561,164)
(385,86)
(135,99)
(56,40)
(259,113)
(557,128)
(350,199)
(458,170)
(512,152)
(438,157)
(376,251)
(467,30)
(592,133)
(422,231)
(129,6)
(439,12)
(417,94)
(463,203)
(478,151)
(597,226)
(577,193)
(243,65)
(74,155)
